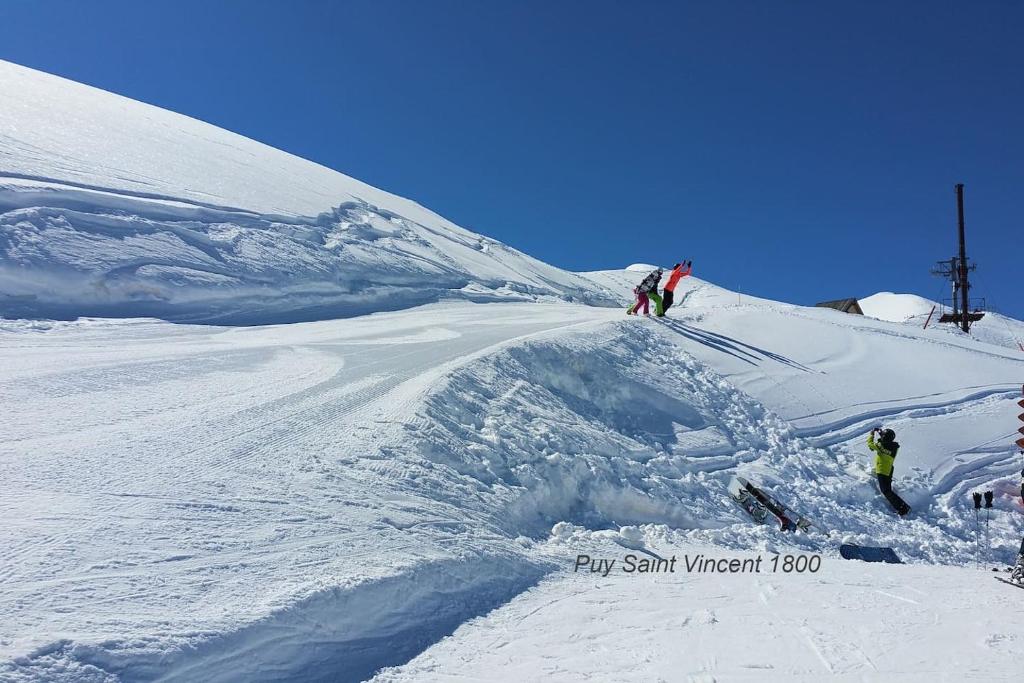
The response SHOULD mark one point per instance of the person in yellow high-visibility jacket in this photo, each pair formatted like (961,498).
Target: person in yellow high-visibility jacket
(885,456)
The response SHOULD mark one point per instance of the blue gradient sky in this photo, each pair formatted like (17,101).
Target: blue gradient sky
(796,150)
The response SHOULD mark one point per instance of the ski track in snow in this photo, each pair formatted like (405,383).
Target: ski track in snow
(156,489)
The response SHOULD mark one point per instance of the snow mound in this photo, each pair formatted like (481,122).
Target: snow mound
(895,307)
(640,268)
(111,207)
(616,428)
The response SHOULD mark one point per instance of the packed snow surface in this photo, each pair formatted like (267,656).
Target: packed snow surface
(405,493)
(846,622)
(320,500)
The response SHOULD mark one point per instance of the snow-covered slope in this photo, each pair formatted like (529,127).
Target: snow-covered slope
(845,622)
(832,377)
(826,378)
(325,500)
(914,310)
(113,207)
(896,308)
(317,501)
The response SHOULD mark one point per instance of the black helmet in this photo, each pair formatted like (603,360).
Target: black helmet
(888,435)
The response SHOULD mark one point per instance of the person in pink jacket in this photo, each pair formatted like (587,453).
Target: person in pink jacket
(641,300)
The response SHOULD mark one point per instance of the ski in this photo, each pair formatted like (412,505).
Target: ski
(742,490)
(1012,583)
(758,512)
(784,514)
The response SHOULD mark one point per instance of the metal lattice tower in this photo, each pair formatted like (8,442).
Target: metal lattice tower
(956,270)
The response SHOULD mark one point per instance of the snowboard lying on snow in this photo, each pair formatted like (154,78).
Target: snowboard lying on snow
(867,553)
(763,507)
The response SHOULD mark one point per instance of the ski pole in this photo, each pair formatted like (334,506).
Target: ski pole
(977,528)
(988,514)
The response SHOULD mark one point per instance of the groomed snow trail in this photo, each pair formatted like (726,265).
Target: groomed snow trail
(183,495)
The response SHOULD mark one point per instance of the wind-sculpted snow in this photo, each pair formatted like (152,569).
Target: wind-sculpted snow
(110,207)
(235,268)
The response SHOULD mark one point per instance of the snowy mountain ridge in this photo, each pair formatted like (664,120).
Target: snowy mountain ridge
(111,207)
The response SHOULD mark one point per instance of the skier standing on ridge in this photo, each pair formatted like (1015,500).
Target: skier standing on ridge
(641,300)
(885,454)
(648,289)
(680,270)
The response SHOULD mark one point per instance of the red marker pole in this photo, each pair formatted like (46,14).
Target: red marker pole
(1020,445)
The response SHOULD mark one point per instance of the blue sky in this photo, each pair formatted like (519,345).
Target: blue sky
(796,150)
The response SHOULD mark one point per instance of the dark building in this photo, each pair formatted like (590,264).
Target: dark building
(844,305)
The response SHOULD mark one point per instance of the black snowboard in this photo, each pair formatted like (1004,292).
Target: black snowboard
(867,553)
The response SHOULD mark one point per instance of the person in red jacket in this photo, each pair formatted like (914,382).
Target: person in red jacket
(679,271)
